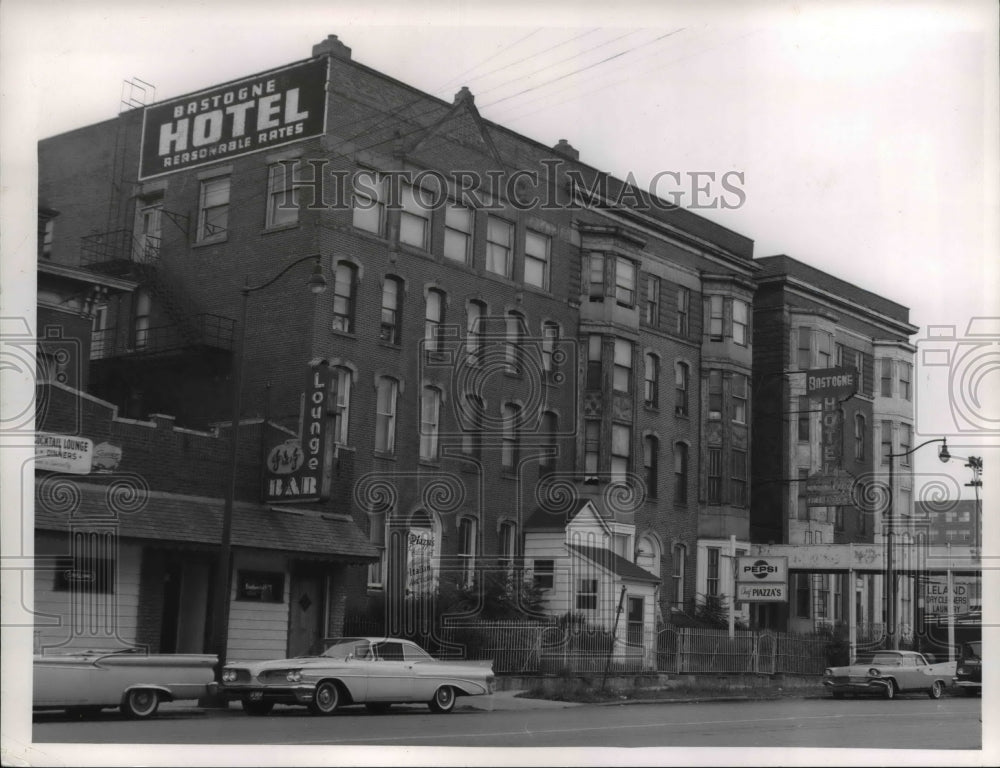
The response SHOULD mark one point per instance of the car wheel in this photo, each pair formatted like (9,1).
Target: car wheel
(326,699)
(937,690)
(257,708)
(443,701)
(140,703)
(379,708)
(890,690)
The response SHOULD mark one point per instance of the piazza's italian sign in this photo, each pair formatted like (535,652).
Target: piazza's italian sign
(260,112)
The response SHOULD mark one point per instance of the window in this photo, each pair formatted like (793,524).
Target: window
(433,320)
(680,473)
(804,420)
(622,378)
(467,549)
(430,415)
(213,209)
(885,377)
(715,394)
(681,377)
(741,322)
(739,459)
(282,197)
(148,235)
(651,302)
(823,342)
(507,545)
(677,575)
(550,335)
(625,282)
(549,429)
(474,410)
(804,352)
(369,203)
(905,443)
(475,320)
(89,573)
(345,283)
(859,437)
(499,236)
(586,594)
(905,375)
(140,318)
(712,577)
(651,383)
(739,387)
(621,451)
(508,447)
(822,593)
(802,506)
(388,651)
(714,475)
(594,368)
(647,555)
(392,296)
(886,440)
(715,318)
(591,447)
(651,459)
(596,272)
(536,259)
(458,233)
(375,570)
(340,403)
(544,573)
(45,240)
(683,311)
(387,391)
(414,217)
(838,519)
(99,332)
(514,344)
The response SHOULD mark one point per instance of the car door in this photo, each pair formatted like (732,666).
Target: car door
(389,678)
(909,675)
(425,672)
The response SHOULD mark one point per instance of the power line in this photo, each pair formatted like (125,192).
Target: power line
(504,49)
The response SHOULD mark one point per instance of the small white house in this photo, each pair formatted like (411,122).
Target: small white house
(585,563)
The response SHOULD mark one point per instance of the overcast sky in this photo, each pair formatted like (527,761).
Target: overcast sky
(866,134)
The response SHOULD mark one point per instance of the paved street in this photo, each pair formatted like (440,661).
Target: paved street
(917,722)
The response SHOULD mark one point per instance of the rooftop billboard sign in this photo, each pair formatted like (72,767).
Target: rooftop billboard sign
(259,112)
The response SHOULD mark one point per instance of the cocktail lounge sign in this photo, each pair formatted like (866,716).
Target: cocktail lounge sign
(294,470)
(256,113)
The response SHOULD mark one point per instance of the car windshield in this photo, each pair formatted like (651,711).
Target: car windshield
(359,647)
(972,651)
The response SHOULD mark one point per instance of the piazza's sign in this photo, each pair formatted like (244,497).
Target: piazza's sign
(259,112)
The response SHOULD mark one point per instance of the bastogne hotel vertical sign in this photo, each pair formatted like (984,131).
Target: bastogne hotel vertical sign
(259,112)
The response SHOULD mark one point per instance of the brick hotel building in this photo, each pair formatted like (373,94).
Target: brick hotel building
(494,371)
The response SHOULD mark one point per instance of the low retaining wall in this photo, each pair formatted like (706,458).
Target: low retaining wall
(733,682)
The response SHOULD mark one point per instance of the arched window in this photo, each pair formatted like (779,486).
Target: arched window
(430,415)
(392,309)
(433,320)
(860,437)
(508,448)
(651,380)
(679,558)
(387,392)
(344,293)
(647,554)
(340,403)
(680,473)
(651,461)
(475,330)
(467,549)
(507,545)
(514,343)
(682,375)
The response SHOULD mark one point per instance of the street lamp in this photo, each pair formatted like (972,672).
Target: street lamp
(220,612)
(890,568)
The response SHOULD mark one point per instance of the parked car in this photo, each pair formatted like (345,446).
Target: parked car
(135,682)
(888,673)
(376,672)
(969,668)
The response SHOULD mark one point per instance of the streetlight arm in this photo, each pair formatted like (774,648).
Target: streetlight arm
(248,289)
(942,453)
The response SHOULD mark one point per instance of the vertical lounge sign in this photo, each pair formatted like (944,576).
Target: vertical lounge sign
(294,470)
(831,486)
(260,112)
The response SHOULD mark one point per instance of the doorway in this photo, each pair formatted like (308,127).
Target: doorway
(306,612)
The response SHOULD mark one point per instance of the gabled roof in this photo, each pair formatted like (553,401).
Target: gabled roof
(615,563)
(170,517)
(545,519)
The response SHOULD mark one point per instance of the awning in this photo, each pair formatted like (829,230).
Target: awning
(170,517)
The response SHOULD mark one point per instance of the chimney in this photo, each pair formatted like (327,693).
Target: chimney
(565,149)
(464,94)
(333,47)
